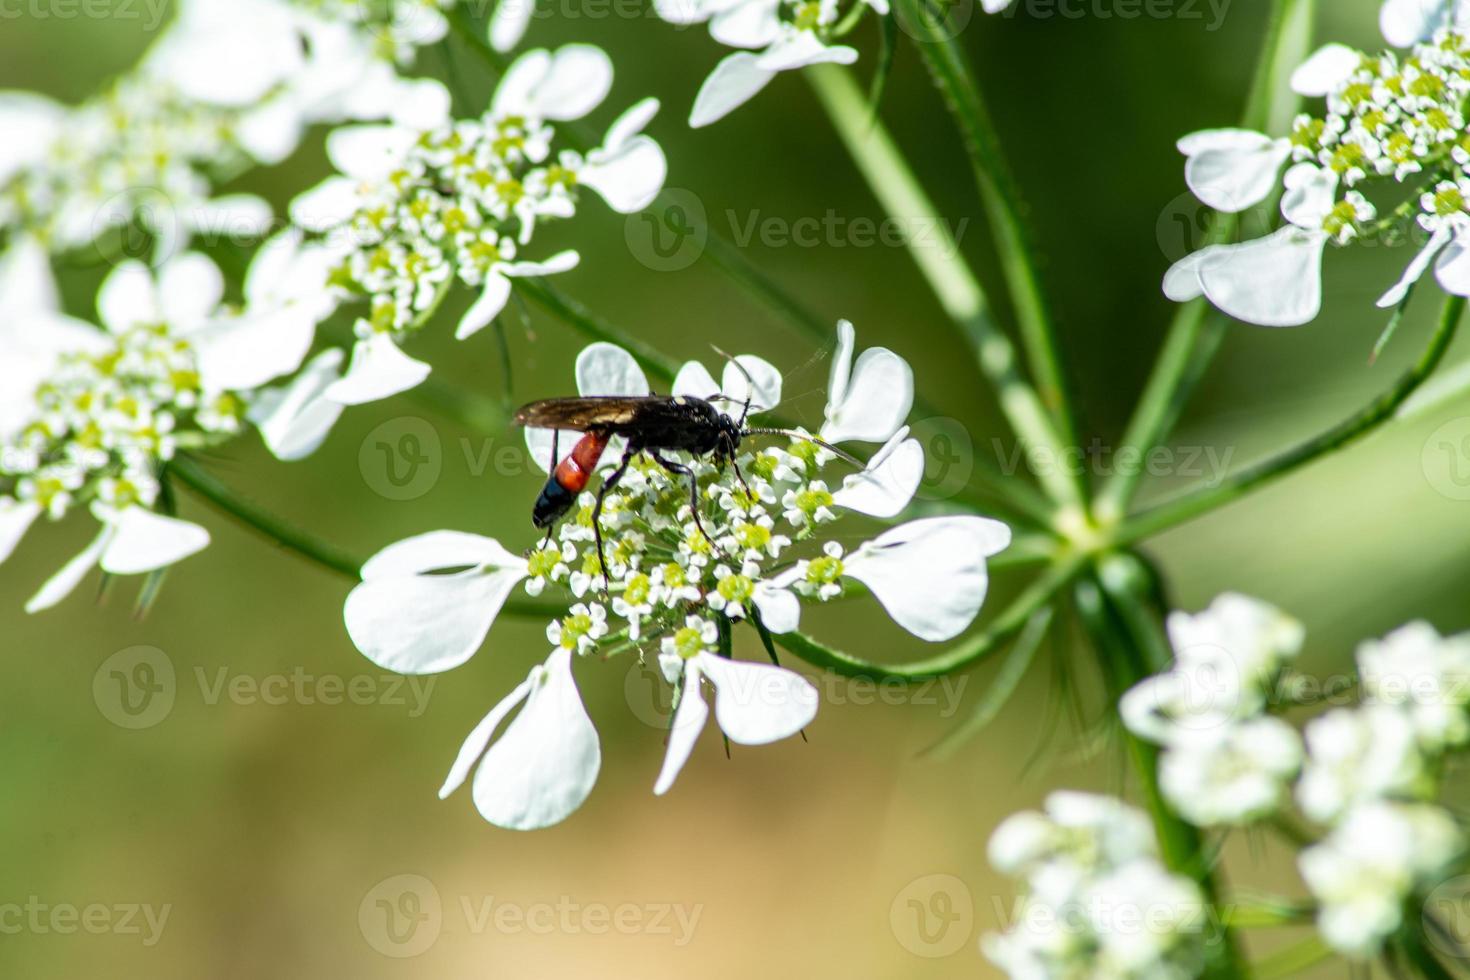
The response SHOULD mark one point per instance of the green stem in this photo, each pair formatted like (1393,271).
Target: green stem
(1381,410)
(962,655)
(1196,331)
(258,519)
(292,538)
(1001,198)
(898,190)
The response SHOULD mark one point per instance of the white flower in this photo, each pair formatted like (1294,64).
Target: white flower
(1360,755)
(1363,872)
(1232,774)
(929,575)
(426,603)
(602,369)
(1425,675)
(1225,659)
(295,418)
(755,704)
(31,124)
(133,540)
(1327,68)
(1233,169)
(1406,22)
(546,761)
(889,481)
(1274,281)
(869,400)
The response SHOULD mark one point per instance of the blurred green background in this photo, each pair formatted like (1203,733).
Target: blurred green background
(267,829)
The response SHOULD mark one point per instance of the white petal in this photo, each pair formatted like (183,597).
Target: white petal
(294,419)
(1273,282)
(689,720)
(780,609)
(632,122)
(1416,268)
(1233,169)
(888,483)
(746,25)
(513,96)
(489,304)
(479,739)
(424,624)
(1453,268)
(146,541)
(801,48)
(420,104)
(190,287)
(27,283)
(60,585)
(607,369)
(840,373)
(1181,282)
(16,518)
(876,400)
(930,574)
(686,11)
(329,204)
(1327,68)
(440,551)
(271,132)
(369,153)
(128,297)
(509,22)
(546,763)
(378,370)
(695,380)
(629,177)
(31,124)
(734,82)
(563,261)
(1406,22)
(756,703)
(766,393)
(1310,191)
(563,85)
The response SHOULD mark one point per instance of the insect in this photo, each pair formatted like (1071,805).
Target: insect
(652,424)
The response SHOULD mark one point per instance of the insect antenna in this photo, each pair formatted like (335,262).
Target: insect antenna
(749,383)
(794,434)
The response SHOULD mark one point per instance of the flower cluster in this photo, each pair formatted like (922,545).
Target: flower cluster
(1225,760)
(690,548)
(1370,773)
(91,417)
(229,84)
(777,35)
(1096,901)
(1389,118)
(415,209)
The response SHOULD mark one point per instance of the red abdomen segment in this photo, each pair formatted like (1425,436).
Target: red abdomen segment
(576,469)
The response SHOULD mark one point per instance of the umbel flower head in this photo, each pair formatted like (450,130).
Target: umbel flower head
(417,208)
(91,417)
(683,569)
(1390,119)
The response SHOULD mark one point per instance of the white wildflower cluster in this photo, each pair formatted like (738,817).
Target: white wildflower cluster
(1369,774)
(416,209)
(748,545)
(1096,900)
(776,35)
(1225,759)
(91,417)
(229,84)
(1390,118)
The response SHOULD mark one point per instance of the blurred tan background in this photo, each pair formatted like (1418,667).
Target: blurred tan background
(271,832)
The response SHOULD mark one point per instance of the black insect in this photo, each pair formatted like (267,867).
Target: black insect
(652,424)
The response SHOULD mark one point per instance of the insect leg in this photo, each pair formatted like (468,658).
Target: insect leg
(679,469)
(608,484)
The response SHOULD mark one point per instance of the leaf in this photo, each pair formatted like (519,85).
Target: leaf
(1007,679)
(1393,325)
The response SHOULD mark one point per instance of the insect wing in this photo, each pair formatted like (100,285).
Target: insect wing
(581,414)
